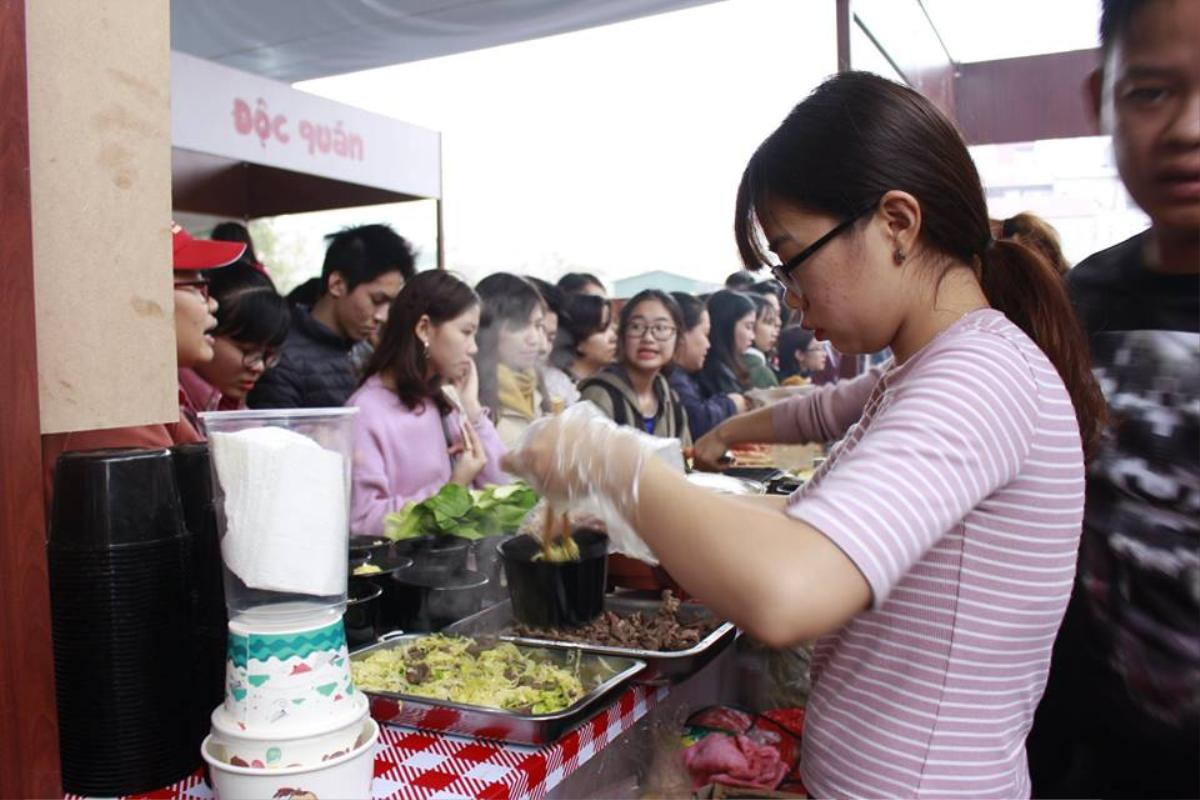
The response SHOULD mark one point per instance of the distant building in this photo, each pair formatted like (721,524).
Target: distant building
(661,279)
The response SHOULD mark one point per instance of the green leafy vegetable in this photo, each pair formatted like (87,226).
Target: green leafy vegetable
(458,511)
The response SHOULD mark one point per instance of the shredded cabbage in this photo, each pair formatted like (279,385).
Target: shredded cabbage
(459,670)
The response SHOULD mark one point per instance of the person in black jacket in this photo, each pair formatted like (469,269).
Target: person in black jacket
(364,270)
(703,412)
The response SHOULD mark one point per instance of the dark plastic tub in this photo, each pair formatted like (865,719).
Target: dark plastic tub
(435,553)
(556,593)
(424,600)
(362,613)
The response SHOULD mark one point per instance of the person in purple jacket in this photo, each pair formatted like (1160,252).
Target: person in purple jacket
(703,412)
(410,437)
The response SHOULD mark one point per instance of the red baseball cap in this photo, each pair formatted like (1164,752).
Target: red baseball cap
(193,254)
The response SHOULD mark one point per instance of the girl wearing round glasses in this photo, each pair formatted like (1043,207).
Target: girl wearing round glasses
(634,391)
(252,323)
(933,553)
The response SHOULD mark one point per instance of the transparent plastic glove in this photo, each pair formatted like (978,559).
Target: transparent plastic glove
(582,461)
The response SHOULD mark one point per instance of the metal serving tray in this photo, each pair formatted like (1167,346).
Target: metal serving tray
(604,677)
(662,666)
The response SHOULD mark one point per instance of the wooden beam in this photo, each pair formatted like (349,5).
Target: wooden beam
(29,765)
(1025,99)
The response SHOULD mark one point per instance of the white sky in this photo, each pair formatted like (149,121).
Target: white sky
(617,150)
(614,150)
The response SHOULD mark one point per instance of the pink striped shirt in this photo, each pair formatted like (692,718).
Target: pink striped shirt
(959,496)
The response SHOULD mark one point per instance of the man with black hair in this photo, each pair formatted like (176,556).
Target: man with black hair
(365,268)
(1121,712)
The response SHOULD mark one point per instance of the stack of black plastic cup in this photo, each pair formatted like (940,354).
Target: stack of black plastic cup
(210,627)
(121,612)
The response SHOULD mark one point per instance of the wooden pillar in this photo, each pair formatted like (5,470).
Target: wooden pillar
(28,718)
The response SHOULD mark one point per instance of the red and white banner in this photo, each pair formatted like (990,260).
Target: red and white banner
(241,116)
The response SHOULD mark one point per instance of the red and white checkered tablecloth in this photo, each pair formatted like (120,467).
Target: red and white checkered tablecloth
(412,764)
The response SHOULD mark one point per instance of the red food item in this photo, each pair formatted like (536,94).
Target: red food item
(734,761)
(722,718)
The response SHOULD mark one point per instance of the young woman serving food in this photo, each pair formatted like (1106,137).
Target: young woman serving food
(933,552)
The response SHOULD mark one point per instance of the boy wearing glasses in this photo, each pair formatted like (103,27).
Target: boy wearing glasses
(194,319)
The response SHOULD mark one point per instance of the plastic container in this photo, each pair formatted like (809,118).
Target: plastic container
(548,593)
(281,491)
(362,613)
(417,599)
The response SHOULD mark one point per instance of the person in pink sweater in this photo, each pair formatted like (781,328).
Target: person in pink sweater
(410,438)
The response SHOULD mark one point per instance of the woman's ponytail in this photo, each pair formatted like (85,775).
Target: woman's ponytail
(1020,283)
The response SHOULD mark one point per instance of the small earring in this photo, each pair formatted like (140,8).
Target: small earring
(426,343)
(899,256)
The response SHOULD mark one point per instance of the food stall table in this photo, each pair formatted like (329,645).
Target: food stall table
(613,749)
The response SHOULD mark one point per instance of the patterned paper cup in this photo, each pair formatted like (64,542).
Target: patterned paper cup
(288,679)
(346,776)
(296,747)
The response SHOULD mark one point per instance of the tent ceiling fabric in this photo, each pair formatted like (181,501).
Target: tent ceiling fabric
(294,40)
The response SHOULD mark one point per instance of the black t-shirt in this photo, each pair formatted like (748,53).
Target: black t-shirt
(1114,291)
(1138,588)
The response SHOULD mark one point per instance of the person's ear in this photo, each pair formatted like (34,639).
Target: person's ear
(336,285)
(1093,93)
(901,213)
(424,329)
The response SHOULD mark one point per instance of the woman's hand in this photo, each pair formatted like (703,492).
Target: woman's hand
(467,385)
(710,451)
(472,458)
(740,401)
(578,453)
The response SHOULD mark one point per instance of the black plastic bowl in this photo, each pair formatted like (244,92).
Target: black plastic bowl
(547,593)
(362,613)
(417,599)
(434,553)
(369,548)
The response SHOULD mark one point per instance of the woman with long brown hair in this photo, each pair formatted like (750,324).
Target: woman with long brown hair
(411,437)
(932,554)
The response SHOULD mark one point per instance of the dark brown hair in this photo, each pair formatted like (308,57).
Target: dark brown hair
(859,136)
(1035,233)
(400,353)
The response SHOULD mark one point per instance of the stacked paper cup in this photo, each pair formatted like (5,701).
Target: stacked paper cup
(281,482)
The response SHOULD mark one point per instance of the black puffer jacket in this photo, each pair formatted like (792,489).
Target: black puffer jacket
(315,369)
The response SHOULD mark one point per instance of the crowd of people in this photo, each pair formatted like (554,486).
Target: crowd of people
(938,545)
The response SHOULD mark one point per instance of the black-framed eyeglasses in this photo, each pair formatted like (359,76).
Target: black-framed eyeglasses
(661,331)
(782,272)
(199,285)
(267,358)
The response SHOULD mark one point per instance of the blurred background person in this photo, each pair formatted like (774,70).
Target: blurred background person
(582,283)
(511,336)
(560,387)
(232,231)
(732,334)
(364,270)
(634,391)
(740,280)
(1035,233)
(759,358)
(1121,712)
(703,412)
(802,356)
(252,325)
(586,340)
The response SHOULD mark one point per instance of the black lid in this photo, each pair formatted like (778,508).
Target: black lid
(106,498)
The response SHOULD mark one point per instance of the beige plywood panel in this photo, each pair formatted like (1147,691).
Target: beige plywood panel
(100,160)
